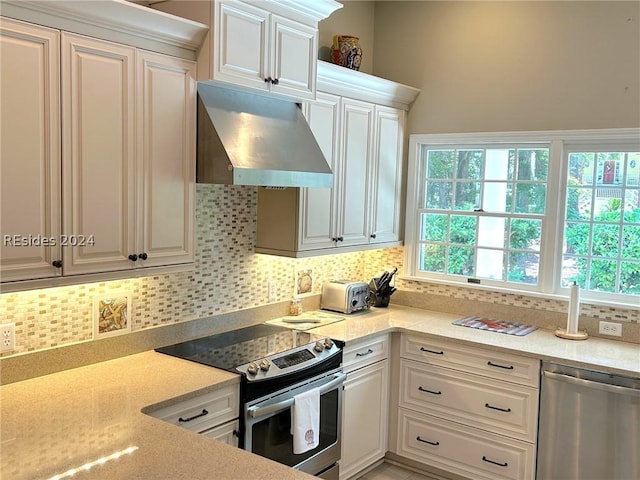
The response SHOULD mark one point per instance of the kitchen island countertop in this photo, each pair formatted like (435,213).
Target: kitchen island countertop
(67,420)
(71,419)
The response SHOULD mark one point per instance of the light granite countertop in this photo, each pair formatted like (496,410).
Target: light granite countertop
(63,421)
(593,353)
(55,423)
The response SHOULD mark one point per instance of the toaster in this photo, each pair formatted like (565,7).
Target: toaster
(344,296)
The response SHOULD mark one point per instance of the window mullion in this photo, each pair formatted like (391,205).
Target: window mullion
(551,250)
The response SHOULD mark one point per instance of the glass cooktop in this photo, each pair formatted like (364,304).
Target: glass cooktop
(228,350)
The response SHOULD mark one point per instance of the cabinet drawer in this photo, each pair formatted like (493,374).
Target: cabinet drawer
(227,433)
(463,450)
(365,353)
(203,412)
(492,405)
(480,361)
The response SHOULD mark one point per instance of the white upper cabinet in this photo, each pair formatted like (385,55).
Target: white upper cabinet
(133,197)
(386,184)
(29,150)
(98,148)
(358,121)
(98,137)
(319,206)
(270,46)
(353,190)
(293,58)
(257,49)
(241,52)
(166,152)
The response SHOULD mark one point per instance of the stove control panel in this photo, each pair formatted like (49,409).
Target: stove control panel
(289,361)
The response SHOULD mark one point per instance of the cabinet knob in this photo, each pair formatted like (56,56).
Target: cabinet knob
(373,235)
(268,80)
(275,81)
(143,256)
(337,239)
(57,263)
(133,257)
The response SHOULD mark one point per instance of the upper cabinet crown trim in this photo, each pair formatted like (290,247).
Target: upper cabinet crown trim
(115,20)
(316,9)
(361,86)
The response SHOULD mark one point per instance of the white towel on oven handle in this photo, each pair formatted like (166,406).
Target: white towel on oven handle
(305,421)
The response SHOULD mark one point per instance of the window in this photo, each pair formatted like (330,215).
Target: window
(602,221)
(527,211)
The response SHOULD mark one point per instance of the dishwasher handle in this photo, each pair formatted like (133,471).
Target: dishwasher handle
(605,387)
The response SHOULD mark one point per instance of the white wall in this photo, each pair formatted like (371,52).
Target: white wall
(520,65)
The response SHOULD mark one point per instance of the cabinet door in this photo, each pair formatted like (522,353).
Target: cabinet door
(318,205)
(241,52)
(357,123)
(98,153)
(166,156)
(30,149)
(227,433)
(293,58)
(387,175)
(364,430)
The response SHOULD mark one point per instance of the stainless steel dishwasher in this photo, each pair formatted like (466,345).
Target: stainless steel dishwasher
(589,425)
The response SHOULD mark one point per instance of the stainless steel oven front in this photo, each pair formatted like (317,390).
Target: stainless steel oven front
(267,422)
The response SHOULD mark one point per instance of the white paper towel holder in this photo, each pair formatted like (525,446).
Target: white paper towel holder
(571,332)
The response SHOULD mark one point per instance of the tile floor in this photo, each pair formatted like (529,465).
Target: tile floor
(386,471)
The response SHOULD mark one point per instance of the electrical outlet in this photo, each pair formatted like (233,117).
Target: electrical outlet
(610,328)
(273,288)
(7,337)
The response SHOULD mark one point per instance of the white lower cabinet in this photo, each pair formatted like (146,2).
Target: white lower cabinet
(227,433)
(466,451)
(465,410)
(214,414)
(365,405)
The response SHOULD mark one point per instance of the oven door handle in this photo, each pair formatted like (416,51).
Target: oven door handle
(257,411)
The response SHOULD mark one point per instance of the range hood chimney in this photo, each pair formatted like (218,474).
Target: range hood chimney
(251,139)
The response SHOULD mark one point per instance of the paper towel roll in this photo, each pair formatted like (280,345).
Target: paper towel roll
(574,308)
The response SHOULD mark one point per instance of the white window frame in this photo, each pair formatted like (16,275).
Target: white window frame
(559,142)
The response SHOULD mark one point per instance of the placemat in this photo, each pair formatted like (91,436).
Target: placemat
(500,326)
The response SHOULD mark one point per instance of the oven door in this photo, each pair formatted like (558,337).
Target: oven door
(268,424)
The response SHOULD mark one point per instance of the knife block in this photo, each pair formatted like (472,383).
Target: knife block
(379,301)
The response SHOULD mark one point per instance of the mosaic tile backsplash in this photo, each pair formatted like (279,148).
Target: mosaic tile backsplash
(228,276)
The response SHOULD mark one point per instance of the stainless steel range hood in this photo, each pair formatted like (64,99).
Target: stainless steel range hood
(250,139)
